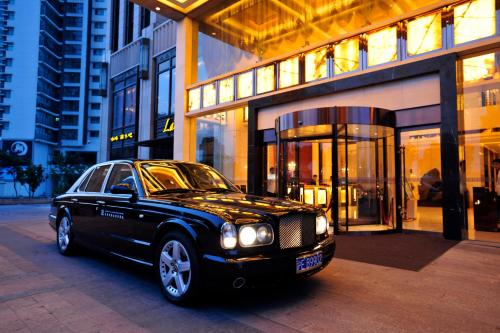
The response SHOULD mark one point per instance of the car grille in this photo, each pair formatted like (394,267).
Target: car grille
(297,230)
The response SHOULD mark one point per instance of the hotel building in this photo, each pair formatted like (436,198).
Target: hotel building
(382,112)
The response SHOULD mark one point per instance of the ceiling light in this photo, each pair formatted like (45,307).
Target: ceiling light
(157,8)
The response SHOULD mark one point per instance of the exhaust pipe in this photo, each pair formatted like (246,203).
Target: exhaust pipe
(239,282)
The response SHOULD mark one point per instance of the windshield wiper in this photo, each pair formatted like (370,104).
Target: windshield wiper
(219,190)
(175,190)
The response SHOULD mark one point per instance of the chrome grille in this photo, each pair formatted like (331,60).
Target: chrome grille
(297,230)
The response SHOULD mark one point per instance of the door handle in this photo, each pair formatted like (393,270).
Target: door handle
(100,202)
(74,199)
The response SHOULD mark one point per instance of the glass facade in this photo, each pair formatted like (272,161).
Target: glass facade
(479,81)
(165,93)
(424,34)
(221,141)
(474,20)
(382,46)
(123,133)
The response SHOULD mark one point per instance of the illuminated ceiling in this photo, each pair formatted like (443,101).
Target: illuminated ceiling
(177,9)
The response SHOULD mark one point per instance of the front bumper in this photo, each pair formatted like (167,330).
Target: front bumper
(259,268)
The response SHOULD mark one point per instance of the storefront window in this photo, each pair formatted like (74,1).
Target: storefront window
(209,95)
(424,34)
(165,92)
(226,90)
(480,144)
(346,56)
(222,142)
(289,72)
(316,65)
(194,99)
(245,84)
(474,20)
(382,46)
(265,79)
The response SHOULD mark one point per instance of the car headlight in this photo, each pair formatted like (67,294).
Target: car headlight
(229,237)
(256,234)
(321,224)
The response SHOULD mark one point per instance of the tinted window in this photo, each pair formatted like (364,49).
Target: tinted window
(97,179)
(121,174)
(84,183)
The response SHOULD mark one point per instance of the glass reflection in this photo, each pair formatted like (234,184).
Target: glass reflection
(382,46)
(424,34)
(316,64)
(474,20)
(346,56)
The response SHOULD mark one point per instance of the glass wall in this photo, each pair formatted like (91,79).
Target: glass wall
(250,31)
(222,142)
(123,133)
(479,79)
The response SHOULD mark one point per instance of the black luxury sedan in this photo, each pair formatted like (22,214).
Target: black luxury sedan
(191,224)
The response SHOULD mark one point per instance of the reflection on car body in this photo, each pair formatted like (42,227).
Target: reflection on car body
(191,224)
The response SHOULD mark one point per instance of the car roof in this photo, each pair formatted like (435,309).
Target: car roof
(135,160)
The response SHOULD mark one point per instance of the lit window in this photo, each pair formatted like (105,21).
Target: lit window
(209,95)
(474,20)
(424,34)
(245,84)
(194,99)
(382,46)
(316,67)
(226,90)
(346,56)
(289,72)
(479,68)
(265,79)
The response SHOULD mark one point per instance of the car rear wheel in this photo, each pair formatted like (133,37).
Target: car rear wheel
(65,242)
(178,269)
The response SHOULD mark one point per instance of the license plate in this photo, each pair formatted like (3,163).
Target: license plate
(308,262)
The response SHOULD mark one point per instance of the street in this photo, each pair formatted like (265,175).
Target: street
(378,283)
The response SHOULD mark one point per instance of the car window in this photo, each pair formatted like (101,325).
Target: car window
(85,181)
(159,176)
(121,174)
(97,178)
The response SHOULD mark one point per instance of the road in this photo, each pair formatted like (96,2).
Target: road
(380,283)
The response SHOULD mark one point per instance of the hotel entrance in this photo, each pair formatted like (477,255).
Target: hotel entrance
(341,159)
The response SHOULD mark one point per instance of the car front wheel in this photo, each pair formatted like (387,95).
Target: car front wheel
(178,269)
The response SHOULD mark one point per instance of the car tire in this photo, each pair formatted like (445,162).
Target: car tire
(65,236)
(177,268)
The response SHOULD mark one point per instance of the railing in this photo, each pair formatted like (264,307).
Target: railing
(125,58)
(164,37)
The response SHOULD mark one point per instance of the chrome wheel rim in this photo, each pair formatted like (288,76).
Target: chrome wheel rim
(63,234)
(175,268)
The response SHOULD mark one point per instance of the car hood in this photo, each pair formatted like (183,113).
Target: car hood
(232,206)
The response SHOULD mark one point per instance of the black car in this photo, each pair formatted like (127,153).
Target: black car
(191,224)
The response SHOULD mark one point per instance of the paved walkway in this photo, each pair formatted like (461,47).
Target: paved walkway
(391,283)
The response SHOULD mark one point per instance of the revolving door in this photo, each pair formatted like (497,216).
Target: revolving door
(341,159)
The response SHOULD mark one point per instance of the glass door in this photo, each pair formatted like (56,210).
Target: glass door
(422,185)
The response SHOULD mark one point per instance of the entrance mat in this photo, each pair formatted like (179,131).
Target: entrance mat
(406,251)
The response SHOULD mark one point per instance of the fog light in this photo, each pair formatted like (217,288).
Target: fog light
(321,224)
(229,237)
(248,236)
(264,234)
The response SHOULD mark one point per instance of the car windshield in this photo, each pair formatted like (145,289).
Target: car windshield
(165,177)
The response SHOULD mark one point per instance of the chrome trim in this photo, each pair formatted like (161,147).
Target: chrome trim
(132,259)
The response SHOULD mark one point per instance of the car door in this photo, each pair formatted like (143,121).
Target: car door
(89,202)
(120,212)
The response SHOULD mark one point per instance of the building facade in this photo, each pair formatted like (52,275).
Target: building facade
(51,72)
(383,113)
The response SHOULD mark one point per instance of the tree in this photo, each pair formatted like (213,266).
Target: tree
(13,165)
(65,170)
(32,176)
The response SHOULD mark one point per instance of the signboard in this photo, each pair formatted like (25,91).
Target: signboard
(169,126)
(122,137)
(19,148)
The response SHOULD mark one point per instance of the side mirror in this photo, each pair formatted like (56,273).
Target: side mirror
(124,188)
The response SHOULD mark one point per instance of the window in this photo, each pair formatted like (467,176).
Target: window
(99,11)
(474,20)
(95,106)
(123,133)
(265,79)
(209,95)
(129,22)
(96,78)
(121,174)
(145,17)
(69,134)
(165,92)
(95,120)
(194,97)
(69,120)
(423,34)
(99,25)
(382,46)
(245,84)
(94,134)
(226,90)
(289,72)
(97,178)
(98,38)
(316,65)
(115,11)
(84,183)
(98,52)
